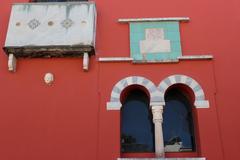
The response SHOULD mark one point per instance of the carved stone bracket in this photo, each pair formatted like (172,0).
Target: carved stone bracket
(12,63)
(85,61)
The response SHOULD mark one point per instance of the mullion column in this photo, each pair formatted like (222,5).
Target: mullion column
(157,112)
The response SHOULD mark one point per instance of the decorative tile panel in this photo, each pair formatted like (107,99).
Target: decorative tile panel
(155,41)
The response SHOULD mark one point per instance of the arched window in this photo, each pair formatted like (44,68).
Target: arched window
(178,129)
(137,130)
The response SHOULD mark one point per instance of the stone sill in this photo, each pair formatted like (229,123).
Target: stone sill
(202,158)
(129,59)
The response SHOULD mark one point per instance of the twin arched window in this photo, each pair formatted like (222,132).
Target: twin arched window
(137,129)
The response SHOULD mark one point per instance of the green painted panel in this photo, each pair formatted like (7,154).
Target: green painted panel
(155,41)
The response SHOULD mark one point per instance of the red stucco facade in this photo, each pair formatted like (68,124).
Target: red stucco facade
(69,120)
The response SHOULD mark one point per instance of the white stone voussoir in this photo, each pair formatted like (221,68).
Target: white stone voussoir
(115,103)
(200,101)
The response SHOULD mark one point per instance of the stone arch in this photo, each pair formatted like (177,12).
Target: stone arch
(115,103)
(200,101)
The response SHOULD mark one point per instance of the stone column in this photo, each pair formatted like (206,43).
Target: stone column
(157,120)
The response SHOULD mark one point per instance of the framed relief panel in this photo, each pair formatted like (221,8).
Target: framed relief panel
(155,41)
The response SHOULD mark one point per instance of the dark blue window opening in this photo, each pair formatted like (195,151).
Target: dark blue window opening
(137,129)
(178,128)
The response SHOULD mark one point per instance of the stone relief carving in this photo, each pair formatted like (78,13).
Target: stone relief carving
(33,24)
(48,78)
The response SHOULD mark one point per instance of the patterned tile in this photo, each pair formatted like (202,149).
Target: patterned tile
(67,23)
(33,24)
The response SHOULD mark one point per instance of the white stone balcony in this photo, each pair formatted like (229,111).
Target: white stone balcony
(53,29)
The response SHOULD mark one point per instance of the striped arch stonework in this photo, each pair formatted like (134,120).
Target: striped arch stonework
(115,103)
(200,101)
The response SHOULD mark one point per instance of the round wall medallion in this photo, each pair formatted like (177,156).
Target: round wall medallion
(48,78)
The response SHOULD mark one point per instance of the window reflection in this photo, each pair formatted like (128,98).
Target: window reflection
(177,122)
(136,124)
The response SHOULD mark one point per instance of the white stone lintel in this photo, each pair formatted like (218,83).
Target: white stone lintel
(202,104)
(115,59)
(127,20)
(114,105)
(195,57)
(129,59)
(12,63)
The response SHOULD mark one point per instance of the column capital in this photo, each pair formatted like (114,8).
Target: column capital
(157,107)
(157,113)
(157,103)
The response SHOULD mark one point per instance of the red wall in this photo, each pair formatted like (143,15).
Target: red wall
(69,120)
